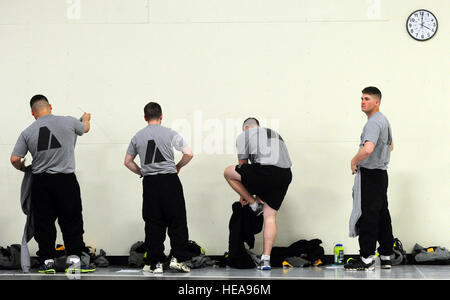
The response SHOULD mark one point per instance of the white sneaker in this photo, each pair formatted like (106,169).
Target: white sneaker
(147,269)
(158,268)
(178,266)
(264,265)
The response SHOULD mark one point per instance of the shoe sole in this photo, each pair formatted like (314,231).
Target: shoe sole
(153,272)
(176,268)
(74,271)
(50,271)
(372,268)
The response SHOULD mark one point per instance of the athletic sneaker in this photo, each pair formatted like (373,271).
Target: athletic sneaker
(259,210)
(264,265)
(48,268)
(158,268)
(147,269)
(385,263)
(359,265)
(178,266)
(77,265)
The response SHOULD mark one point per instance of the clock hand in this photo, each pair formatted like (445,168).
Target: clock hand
(426,27)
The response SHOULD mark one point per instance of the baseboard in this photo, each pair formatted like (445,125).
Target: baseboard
(327,259)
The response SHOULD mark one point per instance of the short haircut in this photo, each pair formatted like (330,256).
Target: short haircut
(250,122)
(152,111)
(371,90)
(38,101)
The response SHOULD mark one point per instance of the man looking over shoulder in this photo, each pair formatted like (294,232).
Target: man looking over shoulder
(371,163)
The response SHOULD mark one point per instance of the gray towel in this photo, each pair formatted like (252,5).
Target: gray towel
(356,212)
(28,232)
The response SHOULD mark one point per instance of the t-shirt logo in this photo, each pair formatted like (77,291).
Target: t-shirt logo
(47,140)
(153,155)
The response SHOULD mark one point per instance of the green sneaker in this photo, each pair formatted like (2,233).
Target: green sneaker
(48,267)
(77,265)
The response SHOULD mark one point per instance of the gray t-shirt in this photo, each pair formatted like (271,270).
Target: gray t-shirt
(154,144)
(264,146)
(51,141)
(378,131)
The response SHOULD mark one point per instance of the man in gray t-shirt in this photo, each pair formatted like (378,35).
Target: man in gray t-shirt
(370,217)
(154,144)
(378,132)
(51,142)
(267,176)
(55,192)
(263,146)
(163,205)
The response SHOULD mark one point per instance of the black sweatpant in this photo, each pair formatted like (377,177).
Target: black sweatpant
(164,209)
(375,221)
(57,196)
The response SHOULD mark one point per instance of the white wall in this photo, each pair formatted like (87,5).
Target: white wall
(297,65)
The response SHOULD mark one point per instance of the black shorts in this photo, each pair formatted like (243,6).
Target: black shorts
(270,183)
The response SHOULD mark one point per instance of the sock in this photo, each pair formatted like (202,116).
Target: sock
(48,261)
(254,205)
(265,257)
(385,257)
(74,260)
(367,260)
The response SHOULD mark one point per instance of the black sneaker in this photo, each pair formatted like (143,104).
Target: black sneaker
(47,268)
(385,263)
(358,265)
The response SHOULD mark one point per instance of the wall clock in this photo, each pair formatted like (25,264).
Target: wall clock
(421,25)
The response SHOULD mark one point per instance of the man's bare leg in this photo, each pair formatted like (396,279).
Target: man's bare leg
(234,180)
(270,229)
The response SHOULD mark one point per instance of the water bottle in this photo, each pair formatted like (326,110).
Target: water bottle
(339,254)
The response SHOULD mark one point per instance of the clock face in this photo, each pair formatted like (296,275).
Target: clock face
(422,25)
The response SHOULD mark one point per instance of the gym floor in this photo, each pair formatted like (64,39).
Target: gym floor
(330,272)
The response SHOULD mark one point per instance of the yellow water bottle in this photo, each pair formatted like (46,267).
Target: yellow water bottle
(339,254)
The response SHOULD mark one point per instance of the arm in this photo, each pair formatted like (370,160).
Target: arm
(86,120)
(362,155)
(243,161)
(392,146)
(131,165)
(18,163)
(187,156)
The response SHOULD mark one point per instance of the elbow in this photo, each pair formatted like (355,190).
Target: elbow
(368,149)
(14,160)
(189,155)
(367,152)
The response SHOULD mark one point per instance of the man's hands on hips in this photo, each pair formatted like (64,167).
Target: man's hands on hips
(353,167)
